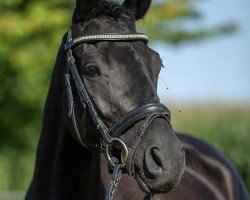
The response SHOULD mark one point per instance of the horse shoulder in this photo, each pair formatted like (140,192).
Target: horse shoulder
(208,174)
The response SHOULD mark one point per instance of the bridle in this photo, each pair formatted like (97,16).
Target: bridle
(109,136)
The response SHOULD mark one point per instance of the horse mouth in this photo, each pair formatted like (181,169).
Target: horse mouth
(147,189)
(153,185)
(142,184)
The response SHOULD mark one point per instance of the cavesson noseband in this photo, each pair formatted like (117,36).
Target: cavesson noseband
(109,136)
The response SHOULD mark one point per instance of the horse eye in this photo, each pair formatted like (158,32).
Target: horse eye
(91,69)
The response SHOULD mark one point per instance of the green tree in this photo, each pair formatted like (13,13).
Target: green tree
(30,34)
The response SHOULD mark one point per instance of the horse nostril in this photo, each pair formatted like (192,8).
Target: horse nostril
(153,161)
(156,156)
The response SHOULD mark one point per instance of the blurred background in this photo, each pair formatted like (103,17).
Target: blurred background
(205,48)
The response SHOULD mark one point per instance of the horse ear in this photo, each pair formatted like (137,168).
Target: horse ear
(137,7)
(83,7)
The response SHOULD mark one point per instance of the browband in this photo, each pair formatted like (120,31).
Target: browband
(107,37)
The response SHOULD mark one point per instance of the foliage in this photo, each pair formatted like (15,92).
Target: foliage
(30,34)
(166,21)
(29,39)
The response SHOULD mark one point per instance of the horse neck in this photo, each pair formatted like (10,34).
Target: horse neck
(63,167)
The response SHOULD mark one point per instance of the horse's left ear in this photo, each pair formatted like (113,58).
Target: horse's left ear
(137,7)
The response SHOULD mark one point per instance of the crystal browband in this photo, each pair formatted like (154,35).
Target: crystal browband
(107,37)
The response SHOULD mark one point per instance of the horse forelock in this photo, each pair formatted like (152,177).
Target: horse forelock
(103,7)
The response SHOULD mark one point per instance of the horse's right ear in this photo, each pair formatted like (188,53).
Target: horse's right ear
(83,7)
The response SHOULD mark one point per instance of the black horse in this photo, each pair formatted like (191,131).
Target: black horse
(105,134)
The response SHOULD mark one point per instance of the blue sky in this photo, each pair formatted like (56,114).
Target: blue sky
(215,70)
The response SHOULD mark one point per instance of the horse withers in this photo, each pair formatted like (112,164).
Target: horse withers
(105,134)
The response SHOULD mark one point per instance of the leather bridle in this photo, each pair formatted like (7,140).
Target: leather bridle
(109,136)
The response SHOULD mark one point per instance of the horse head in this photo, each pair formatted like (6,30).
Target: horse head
(111,94)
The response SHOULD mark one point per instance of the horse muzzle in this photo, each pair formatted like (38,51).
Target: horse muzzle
(160,159)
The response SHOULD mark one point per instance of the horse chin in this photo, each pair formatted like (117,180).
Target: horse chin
(148,185)
(145,188)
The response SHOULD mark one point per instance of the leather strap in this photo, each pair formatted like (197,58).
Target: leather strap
(137,115)
(106,37)
(132,154)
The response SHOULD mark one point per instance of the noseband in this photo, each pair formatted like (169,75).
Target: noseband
(108,136)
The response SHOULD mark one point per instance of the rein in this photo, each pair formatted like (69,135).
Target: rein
(109,136)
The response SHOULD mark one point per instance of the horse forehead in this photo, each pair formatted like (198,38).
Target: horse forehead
(126,54)
(107,49)
(114,51)
(120,49)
